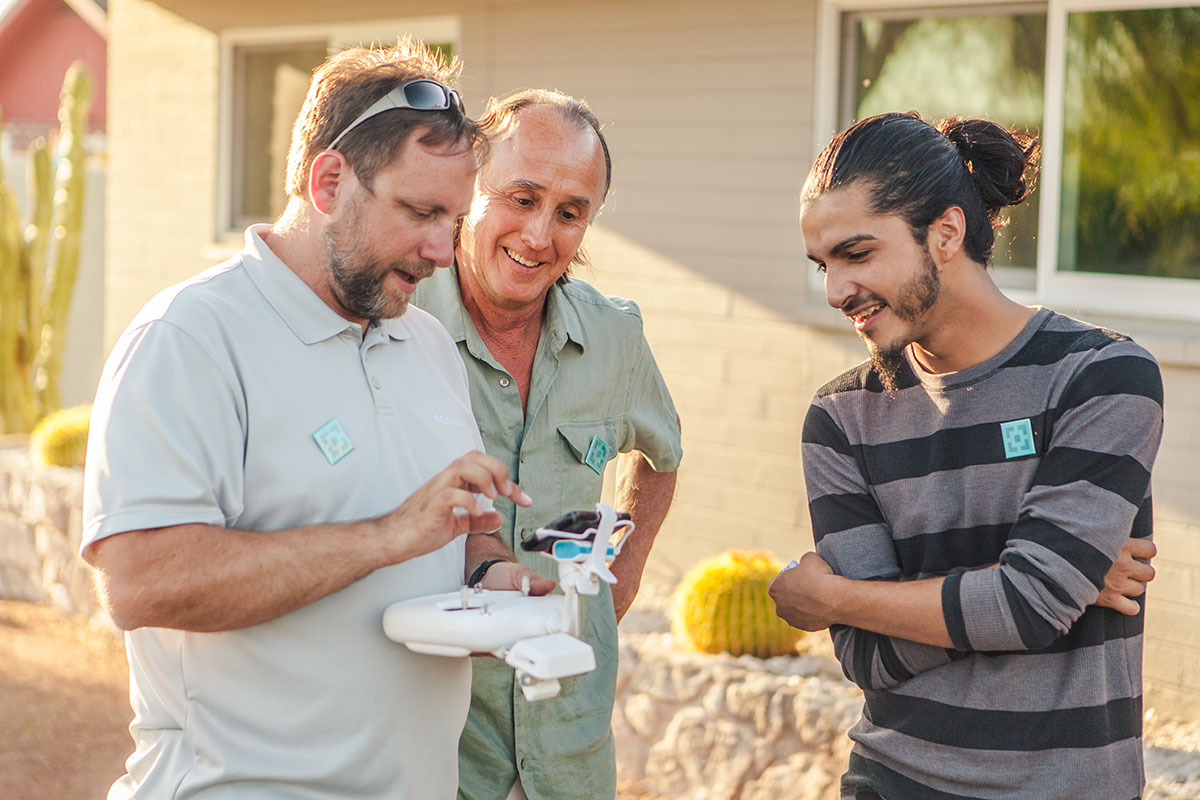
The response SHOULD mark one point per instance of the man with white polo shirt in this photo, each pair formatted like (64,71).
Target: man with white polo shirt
(279,451)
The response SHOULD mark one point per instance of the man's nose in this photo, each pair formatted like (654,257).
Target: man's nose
(438,247)
(536,232)
(838,289)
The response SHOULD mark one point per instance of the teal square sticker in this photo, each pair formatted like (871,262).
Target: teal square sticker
(1018,438)
(597,454)
(333,441)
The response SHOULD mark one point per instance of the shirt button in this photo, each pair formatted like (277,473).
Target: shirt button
(375,382)
(522,458)
(504,382)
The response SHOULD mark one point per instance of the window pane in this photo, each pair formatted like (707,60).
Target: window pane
(271,81)
(965,64)
(1131,156)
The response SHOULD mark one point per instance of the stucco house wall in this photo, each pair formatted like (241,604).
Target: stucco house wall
(710,114)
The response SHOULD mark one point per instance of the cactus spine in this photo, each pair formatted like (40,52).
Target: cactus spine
(722,605)
(38,266)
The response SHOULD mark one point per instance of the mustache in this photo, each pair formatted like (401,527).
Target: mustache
(419,271)
(858,300)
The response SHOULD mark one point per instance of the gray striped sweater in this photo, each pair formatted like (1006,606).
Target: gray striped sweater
(1039,460)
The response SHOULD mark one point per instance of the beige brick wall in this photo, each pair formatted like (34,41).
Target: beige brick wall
(1173,616)
(162,131)
(709,110)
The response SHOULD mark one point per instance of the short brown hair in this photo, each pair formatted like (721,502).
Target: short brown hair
(351,80)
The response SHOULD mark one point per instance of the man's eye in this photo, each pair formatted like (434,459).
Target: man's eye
(858,255)
(523,201)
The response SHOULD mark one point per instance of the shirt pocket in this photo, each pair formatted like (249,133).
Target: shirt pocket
(588,447)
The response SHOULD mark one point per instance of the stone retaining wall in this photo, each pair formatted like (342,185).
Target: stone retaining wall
(41,521)
(695,726)
(701,727)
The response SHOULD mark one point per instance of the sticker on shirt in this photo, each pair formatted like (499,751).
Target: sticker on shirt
(333,441)
(597,454)
(1018,438)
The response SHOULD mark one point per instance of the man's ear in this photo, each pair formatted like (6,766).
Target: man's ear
(329,176)
(946,234)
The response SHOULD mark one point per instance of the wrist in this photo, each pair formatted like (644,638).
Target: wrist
(834,591)
(477,575)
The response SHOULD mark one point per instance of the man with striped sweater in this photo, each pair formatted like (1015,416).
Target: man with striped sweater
(977,489)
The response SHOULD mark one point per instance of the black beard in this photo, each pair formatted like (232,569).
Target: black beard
(887,365)
(919,294)
(915,298)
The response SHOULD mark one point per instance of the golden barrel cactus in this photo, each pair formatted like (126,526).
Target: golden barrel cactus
(60,439)
(722,605)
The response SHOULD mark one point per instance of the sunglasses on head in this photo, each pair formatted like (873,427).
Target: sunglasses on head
(422,94)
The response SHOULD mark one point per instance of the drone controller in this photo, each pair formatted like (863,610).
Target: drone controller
(537,636)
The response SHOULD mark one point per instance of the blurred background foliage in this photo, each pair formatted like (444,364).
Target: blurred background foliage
(1131,167)
(1130,200)
(970,65)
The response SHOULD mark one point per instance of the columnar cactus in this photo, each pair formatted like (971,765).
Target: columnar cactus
(38,265)
(722,605)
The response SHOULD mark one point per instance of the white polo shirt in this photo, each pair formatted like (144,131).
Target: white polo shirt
(240,399)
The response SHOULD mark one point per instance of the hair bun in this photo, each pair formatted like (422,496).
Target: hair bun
(998,160)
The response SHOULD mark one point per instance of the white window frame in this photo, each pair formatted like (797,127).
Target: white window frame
(445,28)
(1175,298)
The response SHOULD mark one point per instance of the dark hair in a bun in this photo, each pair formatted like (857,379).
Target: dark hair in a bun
(917,171)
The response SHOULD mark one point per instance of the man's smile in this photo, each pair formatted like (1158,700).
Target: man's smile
(864,315)
(524,262)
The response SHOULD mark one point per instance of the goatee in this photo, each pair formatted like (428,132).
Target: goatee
(914,299)
(887,365)
(355,279)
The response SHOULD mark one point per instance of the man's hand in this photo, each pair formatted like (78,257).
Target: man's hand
(507,575)
(1127,578)
(446,507)
(802,594)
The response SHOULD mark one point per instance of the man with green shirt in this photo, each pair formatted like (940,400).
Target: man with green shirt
(562,380)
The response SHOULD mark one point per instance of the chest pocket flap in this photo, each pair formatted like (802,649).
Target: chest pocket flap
(593,443)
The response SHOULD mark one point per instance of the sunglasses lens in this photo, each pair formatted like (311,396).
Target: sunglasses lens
(425,95)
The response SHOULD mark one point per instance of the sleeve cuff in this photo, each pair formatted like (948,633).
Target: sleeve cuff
(952,610)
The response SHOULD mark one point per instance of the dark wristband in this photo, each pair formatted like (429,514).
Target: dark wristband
(481,570)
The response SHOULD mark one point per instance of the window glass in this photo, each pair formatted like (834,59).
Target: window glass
(270,87)
(270,82)
(1131,145)
(988,65)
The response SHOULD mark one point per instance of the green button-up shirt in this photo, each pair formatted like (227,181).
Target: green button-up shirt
(593,376)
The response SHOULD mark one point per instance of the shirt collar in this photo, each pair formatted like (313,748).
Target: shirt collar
(562,319)
(442,296)
(308,316)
